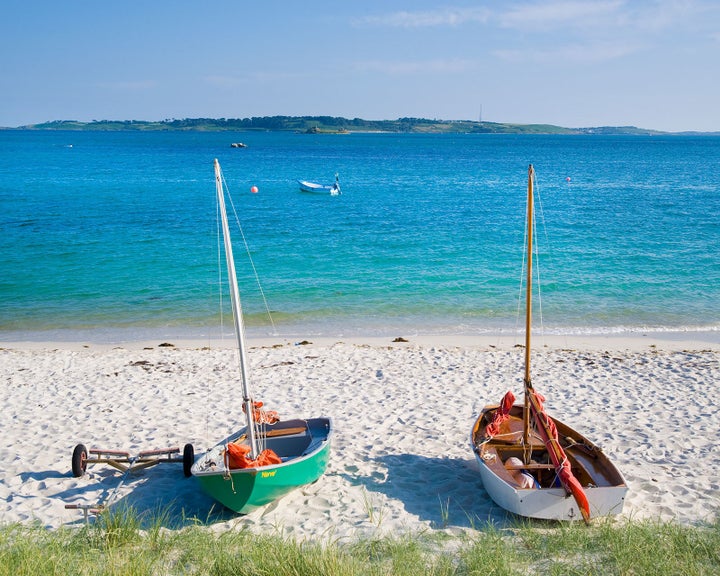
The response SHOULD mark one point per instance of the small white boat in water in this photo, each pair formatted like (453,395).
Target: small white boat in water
(332,190)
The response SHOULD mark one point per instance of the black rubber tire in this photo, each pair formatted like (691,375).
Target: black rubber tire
(188,459)
(79,460)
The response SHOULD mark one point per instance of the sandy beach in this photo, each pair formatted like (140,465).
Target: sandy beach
(402,411)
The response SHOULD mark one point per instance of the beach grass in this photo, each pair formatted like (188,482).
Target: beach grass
(123,542)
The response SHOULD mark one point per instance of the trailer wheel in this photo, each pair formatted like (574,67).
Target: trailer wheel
(188,459)
(79,461)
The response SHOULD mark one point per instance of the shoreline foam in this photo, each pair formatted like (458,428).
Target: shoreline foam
(401,458)
(665,340)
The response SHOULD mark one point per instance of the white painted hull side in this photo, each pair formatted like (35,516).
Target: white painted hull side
(550,503)
(313,188)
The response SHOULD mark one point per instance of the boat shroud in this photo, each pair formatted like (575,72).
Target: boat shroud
(536,466)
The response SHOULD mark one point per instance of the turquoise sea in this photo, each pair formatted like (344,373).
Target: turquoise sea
(111,236)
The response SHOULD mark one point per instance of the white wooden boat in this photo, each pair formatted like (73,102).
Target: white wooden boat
(536,466)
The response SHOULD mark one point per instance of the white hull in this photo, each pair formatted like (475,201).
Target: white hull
(550,503)
(603,484)
(314,188)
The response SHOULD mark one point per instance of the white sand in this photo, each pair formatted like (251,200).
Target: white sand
(401,458)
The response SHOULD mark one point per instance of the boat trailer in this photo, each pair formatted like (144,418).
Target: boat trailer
(125,463)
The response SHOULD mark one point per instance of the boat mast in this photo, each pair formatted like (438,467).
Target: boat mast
(237,314)
(528,315)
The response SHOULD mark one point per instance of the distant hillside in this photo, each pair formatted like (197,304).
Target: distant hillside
(331,125)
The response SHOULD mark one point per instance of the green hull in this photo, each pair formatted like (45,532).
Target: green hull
(305,456)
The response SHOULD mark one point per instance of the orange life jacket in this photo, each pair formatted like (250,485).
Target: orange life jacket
(236,455)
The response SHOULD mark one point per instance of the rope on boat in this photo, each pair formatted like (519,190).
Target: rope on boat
(557,471)
(227,475)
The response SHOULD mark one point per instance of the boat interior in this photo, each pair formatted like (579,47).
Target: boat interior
(588,463)
(293,438)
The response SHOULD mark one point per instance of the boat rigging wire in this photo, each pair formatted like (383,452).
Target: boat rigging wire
(247,250)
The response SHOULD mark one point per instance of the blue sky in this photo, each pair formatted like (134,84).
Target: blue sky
(651,64)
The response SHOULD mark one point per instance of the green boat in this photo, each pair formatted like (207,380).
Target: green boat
(267,458)
(304,447)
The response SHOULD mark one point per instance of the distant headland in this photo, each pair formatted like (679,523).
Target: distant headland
(335,125)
